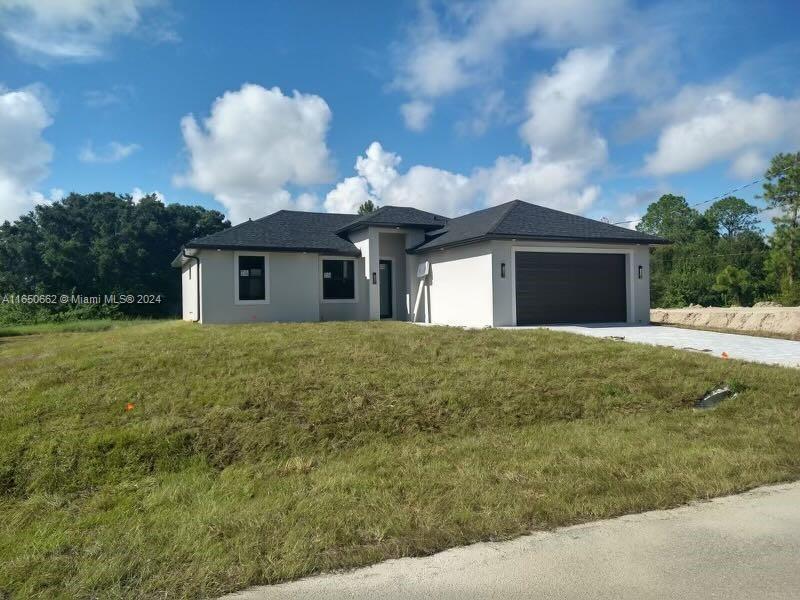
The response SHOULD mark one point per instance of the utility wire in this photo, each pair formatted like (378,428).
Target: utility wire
(725,195)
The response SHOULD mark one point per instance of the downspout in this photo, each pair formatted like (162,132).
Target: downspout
(197,260)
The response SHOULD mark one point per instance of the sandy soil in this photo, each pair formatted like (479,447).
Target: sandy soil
(779,320)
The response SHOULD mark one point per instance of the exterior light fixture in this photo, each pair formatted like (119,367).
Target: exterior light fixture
(502,270)
(374,278)
(641,271)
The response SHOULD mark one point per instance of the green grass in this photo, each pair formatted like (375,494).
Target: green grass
(86,326)
(260,453)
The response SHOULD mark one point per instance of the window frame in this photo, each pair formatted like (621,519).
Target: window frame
(236,256)
(322,298)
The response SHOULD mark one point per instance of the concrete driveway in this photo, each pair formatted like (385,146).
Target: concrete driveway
(736,548)
(771,351)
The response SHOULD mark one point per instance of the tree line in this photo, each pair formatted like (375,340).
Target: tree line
(722,256)
(96,244)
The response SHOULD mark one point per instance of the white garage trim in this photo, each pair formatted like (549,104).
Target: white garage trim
(629,287)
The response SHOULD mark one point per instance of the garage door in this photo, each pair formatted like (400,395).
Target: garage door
(567,287)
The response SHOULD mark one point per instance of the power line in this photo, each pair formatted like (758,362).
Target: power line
(724,195)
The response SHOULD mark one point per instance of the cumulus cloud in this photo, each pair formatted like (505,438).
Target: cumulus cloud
(71,29)
(113,152)
(24,154)
(435,62)
(254,144)
(564,150)
(558,126)
(702,125)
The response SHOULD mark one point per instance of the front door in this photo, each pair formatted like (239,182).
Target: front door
(385,268)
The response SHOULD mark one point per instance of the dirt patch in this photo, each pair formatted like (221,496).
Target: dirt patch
(783,321)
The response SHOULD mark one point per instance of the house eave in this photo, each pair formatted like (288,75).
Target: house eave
(265,248)
(539,238)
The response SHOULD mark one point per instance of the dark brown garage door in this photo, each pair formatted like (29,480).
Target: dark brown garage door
(566,287)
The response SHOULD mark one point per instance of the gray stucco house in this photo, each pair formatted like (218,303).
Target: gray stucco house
(512,264)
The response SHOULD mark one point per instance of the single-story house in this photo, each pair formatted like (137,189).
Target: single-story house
(512,264)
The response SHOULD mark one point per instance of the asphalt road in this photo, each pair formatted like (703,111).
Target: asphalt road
(738,547)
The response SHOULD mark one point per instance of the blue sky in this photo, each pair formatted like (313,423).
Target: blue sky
(591,106)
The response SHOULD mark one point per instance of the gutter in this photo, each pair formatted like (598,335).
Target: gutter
(197,259)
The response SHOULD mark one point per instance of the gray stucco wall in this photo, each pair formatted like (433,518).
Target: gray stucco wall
(293,289)
(348,311)
(393,247)
(638,289)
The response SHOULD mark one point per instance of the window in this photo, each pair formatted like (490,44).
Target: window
(252,278)
(338,279)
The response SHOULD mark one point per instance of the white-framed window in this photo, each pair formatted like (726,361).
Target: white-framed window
(251,277)
(338,279)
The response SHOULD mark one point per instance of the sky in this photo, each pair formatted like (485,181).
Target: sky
(595,107)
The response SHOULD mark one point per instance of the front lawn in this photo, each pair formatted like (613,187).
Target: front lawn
(258,453)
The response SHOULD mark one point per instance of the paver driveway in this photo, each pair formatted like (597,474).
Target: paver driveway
(745,347)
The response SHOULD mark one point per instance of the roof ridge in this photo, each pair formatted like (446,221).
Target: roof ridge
(510,205)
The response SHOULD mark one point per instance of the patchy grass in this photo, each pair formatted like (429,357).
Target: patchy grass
(260,453)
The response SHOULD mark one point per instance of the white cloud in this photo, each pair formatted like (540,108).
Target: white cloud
(564,151)
(24,154)
(113,152)
(749,164)
(256,142)
(434,63)
(486,111)
(137,194)
(702,125)
(416,114)
(558,126)
(71,29)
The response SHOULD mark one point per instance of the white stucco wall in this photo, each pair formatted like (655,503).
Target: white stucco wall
(460,286)
(189,276)
(638,290)
(293,289)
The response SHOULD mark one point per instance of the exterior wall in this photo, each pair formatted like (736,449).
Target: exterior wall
(459,287)
(392,246)
(293,289)
(366,240)
(414,237)
(347,311)
(638,290)
(189,275)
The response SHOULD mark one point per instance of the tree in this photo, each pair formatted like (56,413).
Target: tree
(102,244)
(734,284)
(782,192)
(733,216)
(670,217)
(367,207)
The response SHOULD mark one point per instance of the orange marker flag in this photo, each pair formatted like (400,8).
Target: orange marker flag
(130,406)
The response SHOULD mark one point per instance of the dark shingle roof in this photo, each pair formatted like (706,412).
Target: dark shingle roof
(522,220)
(396,216)
(285,230)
